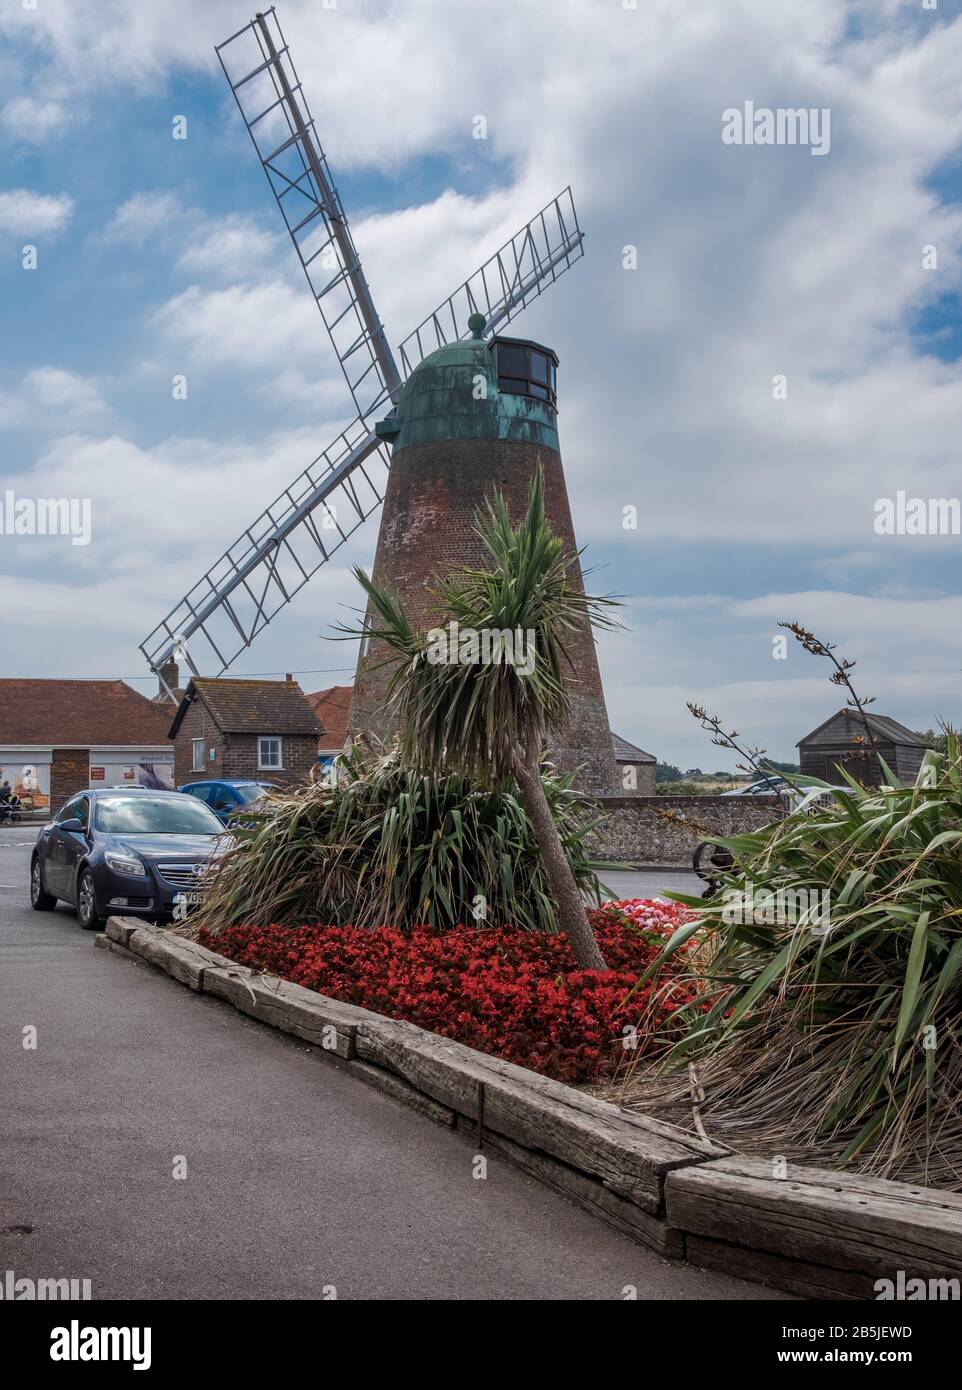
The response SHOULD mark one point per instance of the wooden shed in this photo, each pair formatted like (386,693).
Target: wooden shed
(842,741)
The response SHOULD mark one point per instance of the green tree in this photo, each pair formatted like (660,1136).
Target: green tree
(488,717)
(667,772)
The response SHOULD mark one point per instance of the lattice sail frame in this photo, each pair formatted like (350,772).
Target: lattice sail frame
(518,272)
(273,107)
(288,543)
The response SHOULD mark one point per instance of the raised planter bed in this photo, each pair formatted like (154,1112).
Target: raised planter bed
(815,1233)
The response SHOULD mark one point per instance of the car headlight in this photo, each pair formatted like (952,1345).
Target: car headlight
(124,863)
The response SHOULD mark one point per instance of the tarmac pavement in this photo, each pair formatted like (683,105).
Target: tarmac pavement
(298,1179)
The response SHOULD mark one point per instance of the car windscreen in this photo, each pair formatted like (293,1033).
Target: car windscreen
(160,815)
(249,793)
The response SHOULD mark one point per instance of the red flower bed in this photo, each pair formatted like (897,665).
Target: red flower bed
(512,993)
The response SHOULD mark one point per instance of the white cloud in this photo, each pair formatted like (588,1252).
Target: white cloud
(233,247)
(718,650)
(25,213)
(229,248)
(252,326)
(59,390)
(32,121)
(142,216)
(202,493)
(50,397)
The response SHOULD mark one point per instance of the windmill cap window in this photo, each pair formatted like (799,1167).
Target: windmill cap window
(527,369)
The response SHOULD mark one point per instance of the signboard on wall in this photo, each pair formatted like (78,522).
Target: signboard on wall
(159,776)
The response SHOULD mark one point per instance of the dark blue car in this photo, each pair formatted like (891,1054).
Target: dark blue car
(129,850)
(226,796)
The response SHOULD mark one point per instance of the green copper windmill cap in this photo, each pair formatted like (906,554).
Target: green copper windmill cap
(454,393)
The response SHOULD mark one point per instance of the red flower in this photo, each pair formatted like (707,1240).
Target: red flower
(515,994)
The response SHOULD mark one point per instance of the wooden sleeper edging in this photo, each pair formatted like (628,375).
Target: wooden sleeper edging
(812,1219)
(326,1023)
(815,1233)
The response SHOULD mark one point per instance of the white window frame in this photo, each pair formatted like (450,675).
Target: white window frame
(270,767)
(198,763)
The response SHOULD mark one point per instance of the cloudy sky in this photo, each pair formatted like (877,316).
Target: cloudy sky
(159,257)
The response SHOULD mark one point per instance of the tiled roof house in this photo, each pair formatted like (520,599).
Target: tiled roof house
(58,737)
(260,729)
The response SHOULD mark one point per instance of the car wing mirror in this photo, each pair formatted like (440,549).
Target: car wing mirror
(73,824)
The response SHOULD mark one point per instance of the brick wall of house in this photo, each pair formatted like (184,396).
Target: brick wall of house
(197,723)
(434,492)
(69,774)
(299,752)
(235,755)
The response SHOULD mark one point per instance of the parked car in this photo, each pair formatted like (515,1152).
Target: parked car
(795,792)
(227,796)
(767,786)
(124,849)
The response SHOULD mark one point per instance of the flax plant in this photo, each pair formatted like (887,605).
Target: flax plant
(841,1038)
(380,844)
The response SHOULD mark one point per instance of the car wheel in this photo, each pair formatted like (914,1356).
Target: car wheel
(87,914)
(40,899)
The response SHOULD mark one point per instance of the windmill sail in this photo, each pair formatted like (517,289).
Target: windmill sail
(509,280)
(287,544)
(300,531)
(260,71)
(275,557)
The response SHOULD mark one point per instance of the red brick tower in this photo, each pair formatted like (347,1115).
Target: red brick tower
(475,417)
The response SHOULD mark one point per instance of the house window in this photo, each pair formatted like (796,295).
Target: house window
(197,755)
(269,754)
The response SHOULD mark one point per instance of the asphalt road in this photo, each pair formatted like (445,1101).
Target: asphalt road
(298,1177)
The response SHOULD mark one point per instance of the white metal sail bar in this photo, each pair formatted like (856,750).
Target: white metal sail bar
(258,66)
(516,274)
(275,557)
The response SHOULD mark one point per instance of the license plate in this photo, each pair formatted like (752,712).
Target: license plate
(189,897)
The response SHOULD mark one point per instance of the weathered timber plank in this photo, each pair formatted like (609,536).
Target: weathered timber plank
(776,1272)
(392,1039)
(323,1022)
(398,1089)
(326,1023)
(425,1061)
(114,947)
(630,1160)
(120,928)
(629,1154)
(864,1224)
(183,960)
(647,1126)
(593,1197)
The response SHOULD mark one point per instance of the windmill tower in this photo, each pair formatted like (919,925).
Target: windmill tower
(474,418)
(316,514)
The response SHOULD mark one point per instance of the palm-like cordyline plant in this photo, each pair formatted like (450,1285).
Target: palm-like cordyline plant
(489,718)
